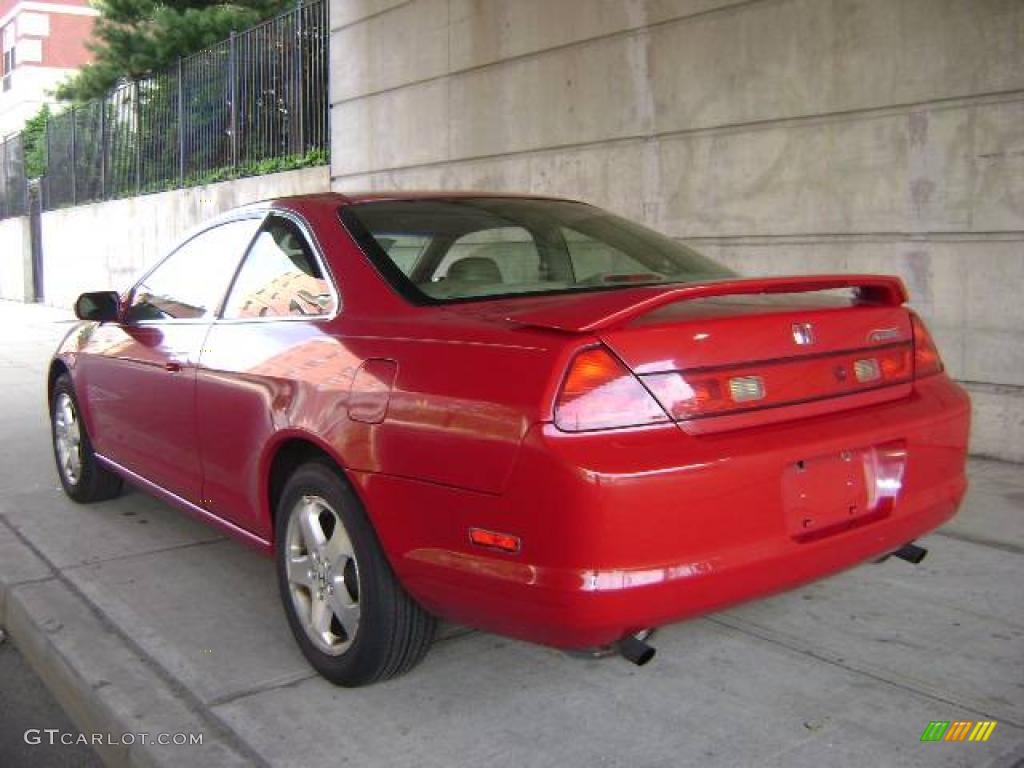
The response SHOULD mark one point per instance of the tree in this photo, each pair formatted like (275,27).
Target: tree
(134,38)
(33,138)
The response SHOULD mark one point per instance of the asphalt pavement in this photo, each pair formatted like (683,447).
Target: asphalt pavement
(35,732)
(145,623)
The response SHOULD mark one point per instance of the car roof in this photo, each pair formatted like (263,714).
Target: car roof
(363,197)
(298,203)
(351,198)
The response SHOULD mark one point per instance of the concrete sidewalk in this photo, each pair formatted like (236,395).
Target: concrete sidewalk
(141,620)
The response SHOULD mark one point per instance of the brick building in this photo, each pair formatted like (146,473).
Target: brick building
(43,42)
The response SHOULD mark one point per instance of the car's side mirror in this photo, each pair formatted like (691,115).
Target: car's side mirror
(99,306)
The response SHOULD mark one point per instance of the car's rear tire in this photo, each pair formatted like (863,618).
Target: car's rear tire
(348,613)
(84,479)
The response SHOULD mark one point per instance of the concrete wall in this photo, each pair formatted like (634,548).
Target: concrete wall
(780,136)
(15,260)
(106,245)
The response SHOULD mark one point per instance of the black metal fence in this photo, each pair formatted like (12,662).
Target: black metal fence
(256,103)
(13,184)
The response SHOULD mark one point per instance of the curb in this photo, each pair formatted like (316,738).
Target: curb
(104,684)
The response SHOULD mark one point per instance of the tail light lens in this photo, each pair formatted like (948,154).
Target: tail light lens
(600,393)
(926,356)
(735,389)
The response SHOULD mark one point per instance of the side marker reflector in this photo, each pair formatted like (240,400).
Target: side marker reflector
(505,542)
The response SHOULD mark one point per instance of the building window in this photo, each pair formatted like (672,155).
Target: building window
(8,66)
(29,51)
(9,57)
(33,24)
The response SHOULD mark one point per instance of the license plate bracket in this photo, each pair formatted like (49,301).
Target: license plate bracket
(826,493)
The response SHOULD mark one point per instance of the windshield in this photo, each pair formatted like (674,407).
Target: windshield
(438,250)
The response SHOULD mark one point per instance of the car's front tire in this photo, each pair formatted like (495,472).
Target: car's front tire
(84,479)
(350,616)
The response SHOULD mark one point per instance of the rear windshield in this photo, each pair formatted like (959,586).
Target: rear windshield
(441,250)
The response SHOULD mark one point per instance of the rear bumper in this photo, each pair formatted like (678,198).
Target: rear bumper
(646,527)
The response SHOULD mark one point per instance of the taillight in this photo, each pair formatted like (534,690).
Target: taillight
(688,396)
(926,356)
(735,389)
(600,393)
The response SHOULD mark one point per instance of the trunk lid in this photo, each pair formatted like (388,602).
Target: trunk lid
(710,333)
(737,353)
(757,361)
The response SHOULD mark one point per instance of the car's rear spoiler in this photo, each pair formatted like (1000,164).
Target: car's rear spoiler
(598,311)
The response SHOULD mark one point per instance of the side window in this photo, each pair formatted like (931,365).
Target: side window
(190,283)
(280,277)
(592,257)
(506,255)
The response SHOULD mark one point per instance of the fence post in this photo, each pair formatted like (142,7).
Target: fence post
(233,86)
(74,159)
(47,191)
(4,202)
(103,148)
(138,137)
(299,81)
(181,126)
(24,171)
(34,209)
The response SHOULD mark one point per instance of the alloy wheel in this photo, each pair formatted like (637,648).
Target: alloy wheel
(67,435)
(323,575)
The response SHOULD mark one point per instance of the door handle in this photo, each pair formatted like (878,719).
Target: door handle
(172,366)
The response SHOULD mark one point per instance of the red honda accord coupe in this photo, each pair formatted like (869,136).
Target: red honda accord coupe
(522,414)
